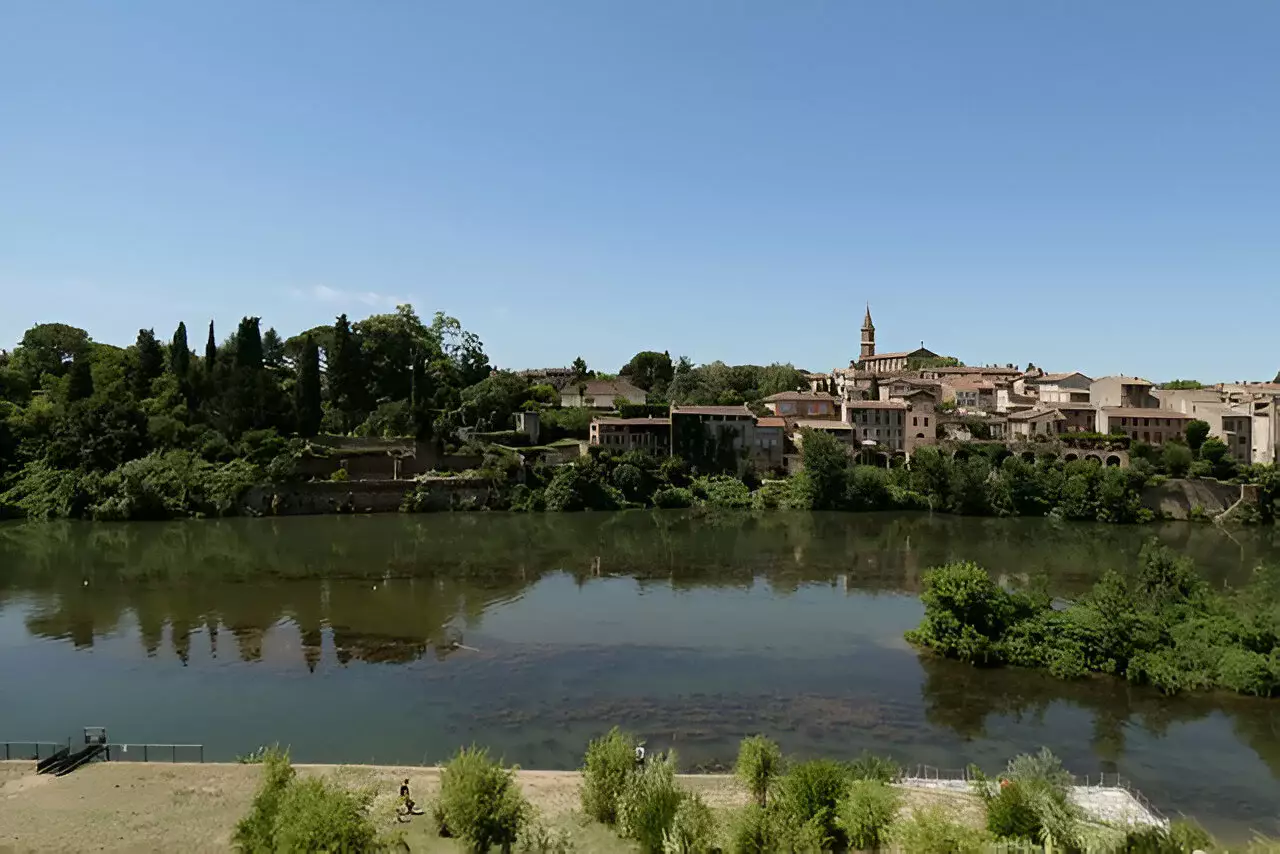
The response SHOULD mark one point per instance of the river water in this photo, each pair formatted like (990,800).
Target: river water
(328,634)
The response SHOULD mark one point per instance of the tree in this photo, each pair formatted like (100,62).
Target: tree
(1177,458)
(649,369)
(826,469)
(48,348)
(180,353)
(80,379)
(1182,384)
(307,390)
(273,352)
(210,357)
(150,362)
(1196,433)
(464,349)
(346,375)
(579,368)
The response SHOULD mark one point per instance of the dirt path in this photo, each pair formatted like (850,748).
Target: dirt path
(127,806)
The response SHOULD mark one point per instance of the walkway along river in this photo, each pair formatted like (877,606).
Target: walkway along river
(331,634)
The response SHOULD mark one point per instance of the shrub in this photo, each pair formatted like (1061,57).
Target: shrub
(723,491)
(1032,801)
(673,498)
(649,802)
(930,831)
(315,815)
(866,813)
(609,763)
(868,766)
(810,792)
(256,831)
(537,838)
(693,830)
(759,762)
(480,801)
(338,475)
(750,832)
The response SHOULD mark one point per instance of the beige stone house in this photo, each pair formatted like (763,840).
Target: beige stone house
(1030,423)
(1070,387)
(975,395)
(600,394)
(632,434)
(1123,392)
(881,421)
(1143,424)
(768,445)
(803,404)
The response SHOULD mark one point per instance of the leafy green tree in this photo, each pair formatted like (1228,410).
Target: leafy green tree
(649,370)
(48,348)
(150,363)
(1182,384)
(307,402)
(273,350)
(579,368)
(80,379)
(1197,431)
(1177,458)
(826,469)
(210,357)
(390,346)
(462,348)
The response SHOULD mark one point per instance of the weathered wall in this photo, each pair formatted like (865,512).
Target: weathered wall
(365,496)
(1178,499)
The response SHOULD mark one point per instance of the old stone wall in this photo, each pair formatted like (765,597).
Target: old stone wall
(1187,499)
(365,496)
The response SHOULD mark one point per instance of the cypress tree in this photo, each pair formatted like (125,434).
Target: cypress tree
(249,345)
(307,390)
(210,357)
(80,378)
(346,380)
(180,353)
(150,362)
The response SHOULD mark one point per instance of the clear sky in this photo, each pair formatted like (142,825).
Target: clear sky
(1089,185)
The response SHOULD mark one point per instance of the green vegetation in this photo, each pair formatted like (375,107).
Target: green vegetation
(821,806)
(759,763)
(480,802)
(1165,628)
(293,815)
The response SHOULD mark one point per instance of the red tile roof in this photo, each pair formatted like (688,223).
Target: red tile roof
(741,411)
(632,422)
(771,421)
(875,404)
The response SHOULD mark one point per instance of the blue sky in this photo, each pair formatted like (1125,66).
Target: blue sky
(1086,185)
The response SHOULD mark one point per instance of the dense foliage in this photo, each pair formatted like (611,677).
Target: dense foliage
(480,802)
(1165,628)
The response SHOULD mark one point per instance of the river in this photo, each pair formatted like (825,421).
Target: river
(329,634)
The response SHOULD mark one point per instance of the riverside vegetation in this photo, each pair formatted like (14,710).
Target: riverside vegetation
(1165,628)
(155,431)
(797,807)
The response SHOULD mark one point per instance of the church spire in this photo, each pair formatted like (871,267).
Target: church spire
(868,336)
(866,321)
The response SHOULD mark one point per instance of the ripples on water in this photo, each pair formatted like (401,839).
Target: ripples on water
(330,634)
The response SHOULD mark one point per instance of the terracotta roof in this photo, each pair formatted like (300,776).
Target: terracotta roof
(633,422)
(1131,412)
(820,424)
(601,388)
(875,404)
(713,410)
(895,355)
(800,395)
(1033,414)
(963,369)
(981,385)
(1076,406)
(771,421)
(1053,378)
(1126,380)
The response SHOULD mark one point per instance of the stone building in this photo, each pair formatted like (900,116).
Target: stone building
(632,434)
(1123,392)
(803,404)
(882,363)
(600,394)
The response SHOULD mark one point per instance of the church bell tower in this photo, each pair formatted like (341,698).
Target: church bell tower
(868,336)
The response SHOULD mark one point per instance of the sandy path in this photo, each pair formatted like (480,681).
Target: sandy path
(128,806)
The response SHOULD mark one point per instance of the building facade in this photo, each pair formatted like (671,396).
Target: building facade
(803,404)
(1123,392)
(881,421)
(652,435)
(600,394)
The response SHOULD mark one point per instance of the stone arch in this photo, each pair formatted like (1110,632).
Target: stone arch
(1113,460)
(1093,458)
(1070,458)
(919,435)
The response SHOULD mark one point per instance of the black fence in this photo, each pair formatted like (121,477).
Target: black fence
(155,752)
(34,751)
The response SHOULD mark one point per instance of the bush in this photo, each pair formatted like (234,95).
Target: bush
(649,803)
(693,830)
(868,766)
(750,832)
(673,498)
(480,801)
(759,762)
(866,813)
(930,831)
(1032,801)
(810,792)
(339,475)
(609,763)
(723,491)
(537,838)
(315,815)
(256,832)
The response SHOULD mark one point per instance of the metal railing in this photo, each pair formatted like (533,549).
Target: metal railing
(155,752)
(1100,780)
(32,750)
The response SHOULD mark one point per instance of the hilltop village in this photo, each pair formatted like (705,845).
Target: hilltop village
(887,405)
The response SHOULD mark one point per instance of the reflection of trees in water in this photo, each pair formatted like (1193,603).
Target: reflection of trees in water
(964,699)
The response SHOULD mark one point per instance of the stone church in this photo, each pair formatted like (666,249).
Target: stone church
(881,363)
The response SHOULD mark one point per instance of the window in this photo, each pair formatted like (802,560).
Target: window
(1159,437)
(1242,440)
(1146,436)
(915,421)
(926,421)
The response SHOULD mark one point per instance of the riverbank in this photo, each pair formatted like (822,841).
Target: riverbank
(127,806)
